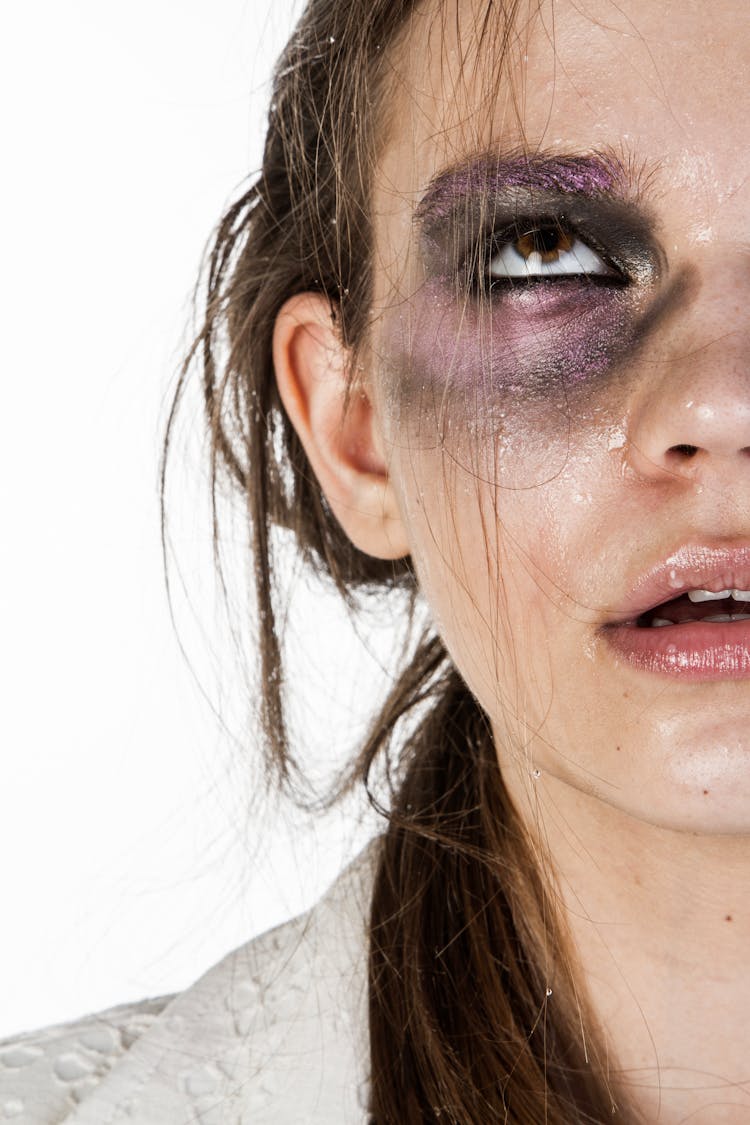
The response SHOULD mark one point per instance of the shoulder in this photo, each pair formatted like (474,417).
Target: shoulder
(276,1032)
(45,1074)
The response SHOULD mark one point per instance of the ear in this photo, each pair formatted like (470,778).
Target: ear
(344,447)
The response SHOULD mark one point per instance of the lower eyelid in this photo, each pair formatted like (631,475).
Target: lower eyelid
(563,286)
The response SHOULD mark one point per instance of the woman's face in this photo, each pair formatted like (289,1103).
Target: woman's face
(562,357)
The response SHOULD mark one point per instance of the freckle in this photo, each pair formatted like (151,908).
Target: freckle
(705,792)
(618,749)
(728,918)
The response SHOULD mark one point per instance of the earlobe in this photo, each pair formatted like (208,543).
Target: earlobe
(342,439)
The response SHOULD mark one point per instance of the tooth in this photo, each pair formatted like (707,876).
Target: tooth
(718,618)
(709,596)
(660,622)
(741,595)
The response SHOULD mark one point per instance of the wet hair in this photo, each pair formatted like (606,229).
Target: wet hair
(476,1011)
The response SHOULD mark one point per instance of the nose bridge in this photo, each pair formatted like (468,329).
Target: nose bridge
(692,405)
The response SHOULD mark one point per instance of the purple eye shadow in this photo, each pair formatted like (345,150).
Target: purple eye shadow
(517,348)
(533,346)
(483,177)
(525,338)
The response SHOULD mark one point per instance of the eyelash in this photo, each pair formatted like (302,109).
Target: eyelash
(527,265)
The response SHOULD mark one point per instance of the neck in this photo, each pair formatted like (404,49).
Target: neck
(661,929)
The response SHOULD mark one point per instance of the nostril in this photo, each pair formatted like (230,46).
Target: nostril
(684,450)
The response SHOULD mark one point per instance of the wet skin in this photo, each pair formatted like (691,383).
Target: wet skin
(551,439)
(534,401)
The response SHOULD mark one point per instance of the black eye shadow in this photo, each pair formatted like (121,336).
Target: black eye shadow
(468,207)
(526,340)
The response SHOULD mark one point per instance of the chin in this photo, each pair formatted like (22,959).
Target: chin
(698,780)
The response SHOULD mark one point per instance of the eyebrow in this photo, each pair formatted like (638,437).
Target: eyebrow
(592,175)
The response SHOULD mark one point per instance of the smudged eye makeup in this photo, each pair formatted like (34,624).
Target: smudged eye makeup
(538,275)
(527,218)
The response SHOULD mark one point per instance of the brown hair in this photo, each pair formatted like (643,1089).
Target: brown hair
(475,1015)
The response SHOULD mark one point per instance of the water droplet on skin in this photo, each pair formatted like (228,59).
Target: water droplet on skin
(700,232)
(536,773)
(549,992)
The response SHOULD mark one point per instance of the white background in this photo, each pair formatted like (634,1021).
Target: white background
(130,859)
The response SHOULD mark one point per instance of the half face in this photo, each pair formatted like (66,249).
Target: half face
(562,361)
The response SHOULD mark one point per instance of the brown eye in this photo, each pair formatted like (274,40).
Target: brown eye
(545,249)
(548,242)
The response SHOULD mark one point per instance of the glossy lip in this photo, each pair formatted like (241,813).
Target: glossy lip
(700,650)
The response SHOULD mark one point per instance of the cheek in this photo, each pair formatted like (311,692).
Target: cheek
(502,424)
(512,388)
(489,565)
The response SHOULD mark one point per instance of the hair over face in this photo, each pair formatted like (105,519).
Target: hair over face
(467,943)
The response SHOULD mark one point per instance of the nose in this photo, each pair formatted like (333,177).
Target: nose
(690,415)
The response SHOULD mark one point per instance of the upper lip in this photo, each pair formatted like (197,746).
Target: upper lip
(690,567)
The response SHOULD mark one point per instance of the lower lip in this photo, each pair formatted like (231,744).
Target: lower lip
(697,650)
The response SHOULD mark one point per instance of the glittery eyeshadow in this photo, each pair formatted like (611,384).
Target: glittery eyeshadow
(589,175)
(536,346)
(528,339)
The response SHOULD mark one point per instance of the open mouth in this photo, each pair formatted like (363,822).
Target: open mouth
(698,606)
(689,616)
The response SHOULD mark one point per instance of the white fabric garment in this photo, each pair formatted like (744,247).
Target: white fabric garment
(275,1033)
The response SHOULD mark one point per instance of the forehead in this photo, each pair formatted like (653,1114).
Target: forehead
(663,83)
